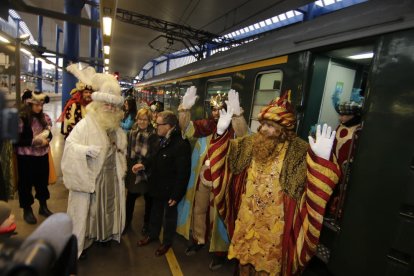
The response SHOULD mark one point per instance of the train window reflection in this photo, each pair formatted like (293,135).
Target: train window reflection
(267,88)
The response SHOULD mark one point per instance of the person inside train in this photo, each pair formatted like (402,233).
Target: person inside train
(32,151)
(142,145)
(202,217)
(280,186)
(344,148)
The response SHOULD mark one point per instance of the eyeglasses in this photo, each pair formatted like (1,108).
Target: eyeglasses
(157,124)
(142,120)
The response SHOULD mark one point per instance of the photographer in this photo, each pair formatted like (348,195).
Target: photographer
(32,156)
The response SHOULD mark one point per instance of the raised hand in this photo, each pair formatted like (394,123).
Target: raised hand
(322,147)
(224,120)
(189,97)
(234,102)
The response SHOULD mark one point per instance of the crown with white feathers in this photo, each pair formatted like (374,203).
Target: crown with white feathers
(106,86)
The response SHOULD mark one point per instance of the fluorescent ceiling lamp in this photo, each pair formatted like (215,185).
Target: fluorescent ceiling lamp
(26,52)
(282,17)
(362,56)
(106,68)
(107,25)
(24,37)
(106,61)
(275,19)
(268,21)
(3,39)
(262,24)
(107,49)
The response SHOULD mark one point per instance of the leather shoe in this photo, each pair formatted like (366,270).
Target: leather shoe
(162,250)
(28,216)
(145,241)
(44,211)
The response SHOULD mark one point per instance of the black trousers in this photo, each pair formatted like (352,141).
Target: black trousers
(32,171)
(163,215)
(130,206)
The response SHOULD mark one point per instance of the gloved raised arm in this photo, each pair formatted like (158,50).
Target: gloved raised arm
(322,147)
(184,115)
(224,120)
(238,122)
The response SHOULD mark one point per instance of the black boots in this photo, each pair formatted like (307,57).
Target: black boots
(43,210)
(28,216)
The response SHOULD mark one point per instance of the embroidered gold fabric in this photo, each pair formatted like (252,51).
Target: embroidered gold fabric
(240,153)
(258,235)
(293,174)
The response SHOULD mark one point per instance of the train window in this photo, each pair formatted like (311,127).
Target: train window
(267,88)
(214,87)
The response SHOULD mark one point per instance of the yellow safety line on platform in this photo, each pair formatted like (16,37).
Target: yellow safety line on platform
(173,263)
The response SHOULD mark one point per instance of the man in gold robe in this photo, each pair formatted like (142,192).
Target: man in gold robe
(275,190)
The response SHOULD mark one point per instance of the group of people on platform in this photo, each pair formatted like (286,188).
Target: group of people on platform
(259,197)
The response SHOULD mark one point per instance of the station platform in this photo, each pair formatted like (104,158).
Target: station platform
(123,258)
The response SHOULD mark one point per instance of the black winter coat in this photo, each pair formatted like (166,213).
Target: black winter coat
(170,169)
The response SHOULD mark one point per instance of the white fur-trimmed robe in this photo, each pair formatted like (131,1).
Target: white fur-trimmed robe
(80,172)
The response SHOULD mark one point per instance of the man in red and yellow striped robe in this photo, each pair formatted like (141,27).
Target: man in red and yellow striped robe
(275,189)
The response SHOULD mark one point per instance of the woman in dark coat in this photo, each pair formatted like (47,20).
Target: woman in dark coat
(142,145)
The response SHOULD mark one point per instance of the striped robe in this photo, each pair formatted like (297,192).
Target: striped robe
(307,182)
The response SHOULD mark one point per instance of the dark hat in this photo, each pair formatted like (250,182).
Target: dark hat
(38,97)
(27,94)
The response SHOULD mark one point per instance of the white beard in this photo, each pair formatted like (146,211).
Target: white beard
(108,120)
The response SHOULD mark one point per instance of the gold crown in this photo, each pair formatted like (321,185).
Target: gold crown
(218,101)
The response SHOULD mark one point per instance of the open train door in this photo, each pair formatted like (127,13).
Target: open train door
(374,234)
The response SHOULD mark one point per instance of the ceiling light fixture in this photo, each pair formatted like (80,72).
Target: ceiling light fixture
(106,61)
(3,39)
(362,56)
(107,49)
(107,25)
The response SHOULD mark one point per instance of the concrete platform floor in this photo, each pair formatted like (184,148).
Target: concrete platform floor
(116,259)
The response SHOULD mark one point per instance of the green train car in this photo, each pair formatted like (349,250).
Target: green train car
(374,235)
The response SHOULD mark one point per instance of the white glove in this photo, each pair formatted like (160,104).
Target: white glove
(190,97)
(234,102)
(324,141)
(224,120)
(93,151)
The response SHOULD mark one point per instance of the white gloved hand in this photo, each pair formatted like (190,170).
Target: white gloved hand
(189,97)
(93,151)
(324,141)
(234,102)
(224,120)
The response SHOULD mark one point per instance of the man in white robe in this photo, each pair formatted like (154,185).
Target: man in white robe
(94,164)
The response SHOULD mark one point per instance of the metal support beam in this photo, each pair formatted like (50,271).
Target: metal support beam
(20,5)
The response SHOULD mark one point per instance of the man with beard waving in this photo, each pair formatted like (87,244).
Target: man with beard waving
(282,186)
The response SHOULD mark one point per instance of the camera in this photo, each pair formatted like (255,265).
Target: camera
(50,250)
(9,121)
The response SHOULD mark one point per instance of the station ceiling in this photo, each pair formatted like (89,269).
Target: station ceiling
(130,49)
